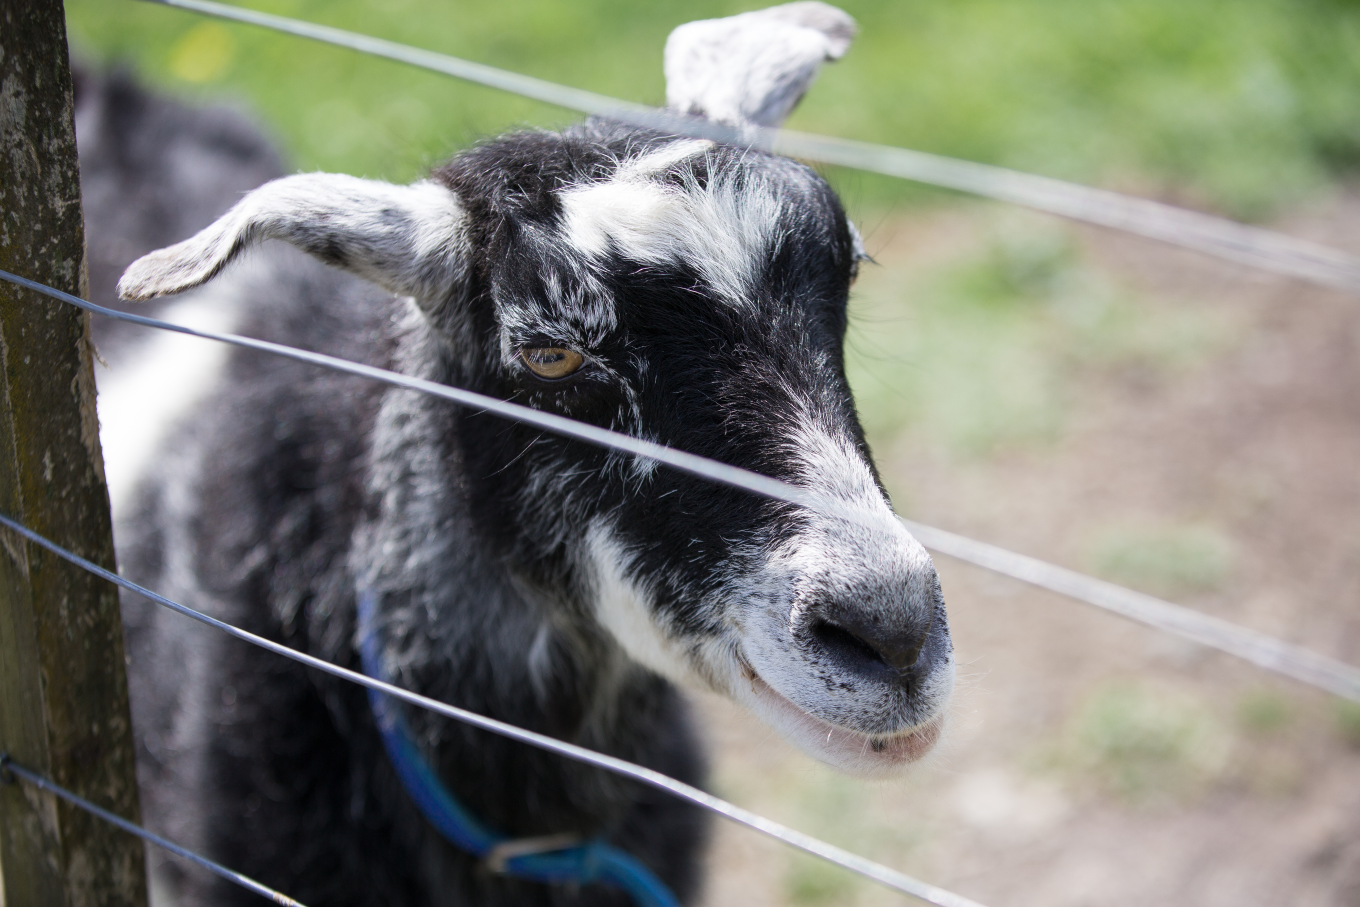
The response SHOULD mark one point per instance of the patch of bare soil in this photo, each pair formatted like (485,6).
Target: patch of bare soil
(1092,761)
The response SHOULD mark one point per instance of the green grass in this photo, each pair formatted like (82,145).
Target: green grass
(1163,560)
(1348,721)
(1145,745)
(811,882)
(1245,105)
(835,807)
(1264,713)
(838,809)
(985,352)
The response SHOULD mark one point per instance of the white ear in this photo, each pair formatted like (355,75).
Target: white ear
(408,239)
(752,69)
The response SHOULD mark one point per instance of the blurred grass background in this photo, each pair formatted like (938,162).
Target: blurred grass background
(1240,105)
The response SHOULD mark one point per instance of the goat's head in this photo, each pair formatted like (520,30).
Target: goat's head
(685,292)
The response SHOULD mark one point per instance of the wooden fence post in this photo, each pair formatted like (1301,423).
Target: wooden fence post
(63,690)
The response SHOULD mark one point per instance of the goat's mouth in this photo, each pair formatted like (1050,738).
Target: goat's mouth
(850,751)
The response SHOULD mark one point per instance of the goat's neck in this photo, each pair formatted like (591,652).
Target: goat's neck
(459,626)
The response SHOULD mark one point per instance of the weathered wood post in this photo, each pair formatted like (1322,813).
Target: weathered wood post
(63,691)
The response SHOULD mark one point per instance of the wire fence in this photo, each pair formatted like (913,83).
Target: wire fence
(1240,243)
(1258,648)
(10,769)
(1260,248)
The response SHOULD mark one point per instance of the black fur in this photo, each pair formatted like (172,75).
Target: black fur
(293,486)
(264,766)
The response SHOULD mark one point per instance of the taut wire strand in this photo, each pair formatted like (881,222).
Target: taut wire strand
(889,878)
(693,464)
(1252,246)
(7,765)
(1264,651)
(1250,645)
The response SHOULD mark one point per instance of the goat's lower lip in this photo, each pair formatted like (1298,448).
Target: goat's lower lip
(850,751)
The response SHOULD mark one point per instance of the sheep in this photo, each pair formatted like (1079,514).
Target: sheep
(680,290)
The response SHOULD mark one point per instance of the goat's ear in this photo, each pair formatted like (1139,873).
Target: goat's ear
(752,69)
(409,239)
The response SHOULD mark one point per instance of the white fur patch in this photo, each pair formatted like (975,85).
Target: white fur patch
(726,234)
(149,388)
(623,609)
(645,165)
(830,464)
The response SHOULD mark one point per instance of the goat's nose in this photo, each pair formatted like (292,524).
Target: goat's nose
(867,646)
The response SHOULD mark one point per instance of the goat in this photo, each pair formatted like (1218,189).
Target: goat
(687,292)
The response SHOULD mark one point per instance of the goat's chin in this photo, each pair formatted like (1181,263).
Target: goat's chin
(852,752)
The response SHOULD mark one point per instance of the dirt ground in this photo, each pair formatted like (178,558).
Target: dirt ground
(1091,761)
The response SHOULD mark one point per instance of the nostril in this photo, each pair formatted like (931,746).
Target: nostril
(898,649)
(905,656)
(840,642)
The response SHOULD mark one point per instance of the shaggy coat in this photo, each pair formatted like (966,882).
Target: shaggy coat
(698,292)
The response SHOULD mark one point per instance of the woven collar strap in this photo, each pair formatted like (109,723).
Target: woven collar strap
(552,859)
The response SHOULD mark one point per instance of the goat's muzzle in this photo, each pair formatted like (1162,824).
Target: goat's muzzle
(852,658)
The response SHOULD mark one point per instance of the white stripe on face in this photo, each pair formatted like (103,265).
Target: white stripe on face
(625,610)
(725,233)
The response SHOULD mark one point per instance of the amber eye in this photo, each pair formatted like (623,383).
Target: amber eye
(552,362)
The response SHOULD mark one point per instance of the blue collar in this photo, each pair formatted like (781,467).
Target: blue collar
(554,860)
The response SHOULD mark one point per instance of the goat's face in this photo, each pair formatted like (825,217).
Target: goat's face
(686,293)
(696,296)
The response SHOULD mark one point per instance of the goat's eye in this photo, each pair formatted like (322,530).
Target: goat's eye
(552,362)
